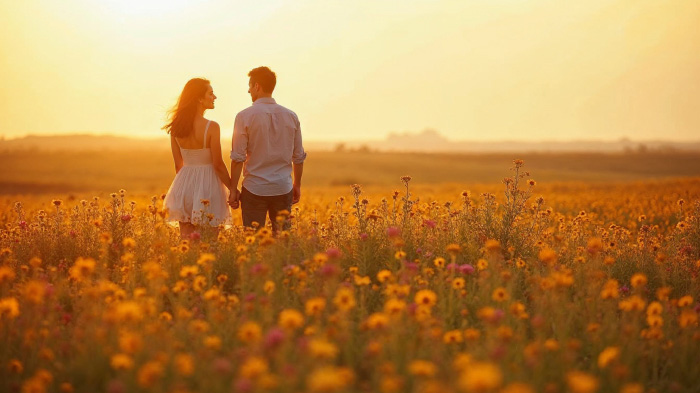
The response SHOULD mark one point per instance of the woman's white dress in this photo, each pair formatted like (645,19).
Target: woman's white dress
(196,194)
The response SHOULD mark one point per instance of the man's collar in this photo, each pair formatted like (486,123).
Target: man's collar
(265,100)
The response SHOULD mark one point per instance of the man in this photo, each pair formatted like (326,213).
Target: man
(267,147)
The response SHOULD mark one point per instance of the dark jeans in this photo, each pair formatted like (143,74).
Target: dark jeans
(255,207)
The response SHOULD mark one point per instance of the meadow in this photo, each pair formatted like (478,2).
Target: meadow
(581,276)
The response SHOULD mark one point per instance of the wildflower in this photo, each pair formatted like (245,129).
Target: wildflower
(632,303)
(149,374)
(253,368)
(492,245)
(458,283)
(269,287)
(326,379)
(34,291)
(422,368)
(439,262)
(9,307)
(499,295)
(608,355)
(315,306)
(377,321)
(581,382)
(205,260)
(453,336)
(384,275)
(551,345)
(250,332)
(82,269)
(688,318)
(362,280)
(212,342)
(610,290)
(130,342)
(685,301)
(290,319)
(322,349)
(426,297)
(480,377)
(189,271)
(394,307)
(453,249)
(594,245)
(184,364)
(129,312)
(14,366)
(547,256)
(638,280)
(482,264)
(399,255)
(199,283)
(6,274)
(655,308)
(121,361)
(471,334)
(344,299)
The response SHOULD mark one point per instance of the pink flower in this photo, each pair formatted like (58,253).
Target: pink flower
(429,223)
(393,232)
(195,236)
(333,253)
(274,338)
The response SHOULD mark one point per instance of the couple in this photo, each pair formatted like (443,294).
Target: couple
(266,147)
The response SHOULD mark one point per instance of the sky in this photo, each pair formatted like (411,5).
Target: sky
(358,70)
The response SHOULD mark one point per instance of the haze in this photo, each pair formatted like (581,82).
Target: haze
(474,70)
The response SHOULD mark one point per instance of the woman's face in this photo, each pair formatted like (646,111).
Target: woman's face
(208,99)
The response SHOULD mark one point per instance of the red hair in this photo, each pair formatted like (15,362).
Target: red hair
(181,116)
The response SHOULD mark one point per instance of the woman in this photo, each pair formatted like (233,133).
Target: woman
(198,194)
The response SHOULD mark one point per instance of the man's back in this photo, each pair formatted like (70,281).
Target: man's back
(267,136)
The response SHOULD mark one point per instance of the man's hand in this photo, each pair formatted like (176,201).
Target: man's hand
(234,198)
(296,194)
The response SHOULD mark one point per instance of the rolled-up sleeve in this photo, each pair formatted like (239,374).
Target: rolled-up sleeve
(239,145)
(298,155)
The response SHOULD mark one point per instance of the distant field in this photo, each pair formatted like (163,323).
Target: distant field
(98,172)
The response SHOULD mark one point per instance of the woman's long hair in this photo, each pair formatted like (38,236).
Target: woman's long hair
(181,116)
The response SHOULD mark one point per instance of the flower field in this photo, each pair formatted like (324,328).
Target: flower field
(520,287)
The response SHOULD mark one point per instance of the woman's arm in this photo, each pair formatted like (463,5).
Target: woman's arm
(214,137)
(177,154)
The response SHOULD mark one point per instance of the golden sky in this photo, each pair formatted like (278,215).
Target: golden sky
(471,69)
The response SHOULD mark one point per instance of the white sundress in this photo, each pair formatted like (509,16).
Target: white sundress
(194,185)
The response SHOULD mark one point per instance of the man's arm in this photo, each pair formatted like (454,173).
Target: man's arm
(298,171)
(239,147)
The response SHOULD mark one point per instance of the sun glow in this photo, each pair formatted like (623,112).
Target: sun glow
(145,8)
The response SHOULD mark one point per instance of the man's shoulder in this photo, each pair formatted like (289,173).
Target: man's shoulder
(245,111)
(286,110)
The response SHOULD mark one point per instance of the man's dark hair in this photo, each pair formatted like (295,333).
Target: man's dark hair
(264,77)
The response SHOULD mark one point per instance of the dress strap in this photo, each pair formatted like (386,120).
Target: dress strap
(206,128)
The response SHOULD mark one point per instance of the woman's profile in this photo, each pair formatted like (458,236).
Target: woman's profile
(198,195)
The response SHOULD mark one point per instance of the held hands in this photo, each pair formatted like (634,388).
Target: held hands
(234,198)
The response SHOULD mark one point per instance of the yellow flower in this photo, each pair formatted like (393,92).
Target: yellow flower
(290,319)
(129,242)
(638,280)
(655,308)
(249,332)
(482,264)
(189,271)
(422,368)
(439,262)
(149,374)
(344,299)
(34,291)
(685,301)
(212,342)
(327,379)
(453,249)
(6,274)
(663,293)
(130,342)
(499,295)
(322,349)
(581,382)
(205,260)
(453,337)
(377,321)
(184,364)
(492,245)
(384,276)
(400,255)
(121,361)
(253,367)
(394,307)
(610,290)
(360,281)
(315,306)
(199,283)
(269,287)
(129,311)
(547,256)
(82,269)
(426,297)
(688,318)
(458,283)
(609,355)
(480,377)
(632,303)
